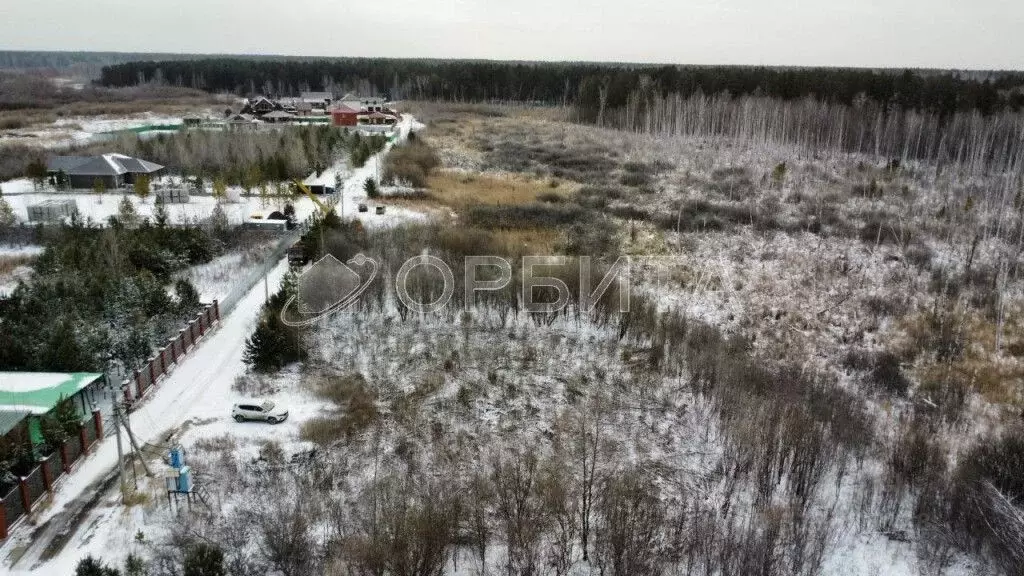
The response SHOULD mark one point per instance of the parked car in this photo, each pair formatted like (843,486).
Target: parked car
(297,255)
(265,411)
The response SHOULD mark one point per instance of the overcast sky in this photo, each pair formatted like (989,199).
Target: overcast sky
(873,33)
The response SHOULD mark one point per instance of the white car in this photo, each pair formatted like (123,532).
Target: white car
(265,411)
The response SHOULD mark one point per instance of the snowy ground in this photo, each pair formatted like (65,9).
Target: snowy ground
(98,208)
(78,130)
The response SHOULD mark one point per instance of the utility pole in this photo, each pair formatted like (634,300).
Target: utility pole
(120,450)
(135,445)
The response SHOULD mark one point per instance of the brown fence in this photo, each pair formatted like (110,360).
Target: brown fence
(166,358)
(19,501)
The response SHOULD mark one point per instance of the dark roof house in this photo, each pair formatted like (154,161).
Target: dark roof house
(114,170)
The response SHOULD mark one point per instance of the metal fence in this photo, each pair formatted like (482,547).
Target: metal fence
(166,358)
(256,275)
(31,488)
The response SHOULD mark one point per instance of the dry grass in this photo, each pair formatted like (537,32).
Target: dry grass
(532,242)
(999,378)
(357,410)
(8,264)
(459,191)
(223,443)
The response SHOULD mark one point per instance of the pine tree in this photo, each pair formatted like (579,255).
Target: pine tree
(127,214)
(370,186)
(188,296)
(90,566)
(160,215)
(219,221)
(141,186)
(7,217)
(99,188)
(220,188)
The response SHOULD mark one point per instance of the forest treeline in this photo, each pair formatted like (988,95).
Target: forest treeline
(587,84)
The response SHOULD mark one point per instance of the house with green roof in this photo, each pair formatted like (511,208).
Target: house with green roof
(26,397)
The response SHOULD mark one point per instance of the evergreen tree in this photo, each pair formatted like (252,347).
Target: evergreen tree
(126,213)
(370,186)
(220,188)
(219,221)
(160,215)
(141,186)
(90,566)
(99,188)
(7,217)
(188,296)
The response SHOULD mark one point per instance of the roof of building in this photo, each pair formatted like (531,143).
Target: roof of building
(103,165)
(317,96)
(39,392)
(345,108)
(279,115)
(9,419)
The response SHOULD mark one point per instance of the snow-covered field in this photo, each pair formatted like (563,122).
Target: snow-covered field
(99,207)
(78,130)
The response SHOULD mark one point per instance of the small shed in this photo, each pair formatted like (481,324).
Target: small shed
(53,210)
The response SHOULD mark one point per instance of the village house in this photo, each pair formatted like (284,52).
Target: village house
(242,121)
(48,421)
(352,110)
(112,170)
(260,106)
(343,115)
(278,116)
(320,100)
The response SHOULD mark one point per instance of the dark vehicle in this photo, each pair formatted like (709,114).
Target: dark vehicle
(297,255)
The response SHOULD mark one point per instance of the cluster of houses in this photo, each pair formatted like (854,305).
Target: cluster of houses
(348,111)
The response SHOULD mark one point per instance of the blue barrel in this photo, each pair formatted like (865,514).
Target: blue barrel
(177,457)
(185,479)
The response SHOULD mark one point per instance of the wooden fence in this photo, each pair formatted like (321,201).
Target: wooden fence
(19,501)
(167,358)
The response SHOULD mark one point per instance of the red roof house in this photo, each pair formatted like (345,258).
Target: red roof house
(342,115)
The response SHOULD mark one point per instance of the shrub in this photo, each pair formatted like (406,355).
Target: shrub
(356,405)
(887,376)
(984,503)
(534,215)
(551,198)
(204,559)
(635,179)
(411,162)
